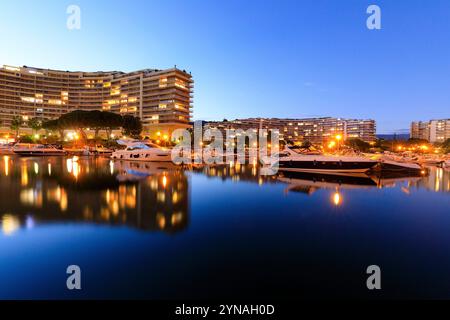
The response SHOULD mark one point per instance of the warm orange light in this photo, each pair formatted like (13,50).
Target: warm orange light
(332,144)
(164,181)
(337,200)
(339,137)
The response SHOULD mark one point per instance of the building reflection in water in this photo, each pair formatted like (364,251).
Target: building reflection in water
(150,196)
(147,196)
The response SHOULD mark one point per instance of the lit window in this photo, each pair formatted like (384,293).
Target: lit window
(163,82)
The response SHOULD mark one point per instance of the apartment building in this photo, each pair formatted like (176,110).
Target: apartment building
(161,98)
(433,130)
(315,130)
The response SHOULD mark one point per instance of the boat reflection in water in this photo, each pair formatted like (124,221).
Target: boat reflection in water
(436,179)
(151,196)
(36,191)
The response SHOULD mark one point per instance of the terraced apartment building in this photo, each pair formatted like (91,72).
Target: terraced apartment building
(433,130)
(161,98)
(315,130)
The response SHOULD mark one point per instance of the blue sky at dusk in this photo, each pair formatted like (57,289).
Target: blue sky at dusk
(255,58)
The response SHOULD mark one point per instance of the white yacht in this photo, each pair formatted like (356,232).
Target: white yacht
(6,149)
(33,150)
(98,150)
(142,151)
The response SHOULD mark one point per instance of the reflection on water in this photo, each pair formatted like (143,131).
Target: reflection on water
(232,231)
(150,196)
(35,191)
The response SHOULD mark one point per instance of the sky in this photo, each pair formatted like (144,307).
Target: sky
(250,58)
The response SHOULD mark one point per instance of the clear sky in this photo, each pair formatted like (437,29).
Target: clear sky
(249,58)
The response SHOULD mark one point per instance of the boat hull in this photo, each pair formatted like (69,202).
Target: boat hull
(328,167)
(39,153)
(143,156)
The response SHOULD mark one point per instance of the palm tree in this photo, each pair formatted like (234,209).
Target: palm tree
(16,122)
(35,124)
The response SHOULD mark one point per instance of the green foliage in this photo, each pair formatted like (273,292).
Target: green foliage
(26,139)
(446,146)
(35,124)
(306,144)
(358,144)
(132,126)
(15,124)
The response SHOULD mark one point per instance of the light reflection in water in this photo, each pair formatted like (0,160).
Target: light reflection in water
(6,165)
(148,196)
(337,198)
(144,196)
(10,224)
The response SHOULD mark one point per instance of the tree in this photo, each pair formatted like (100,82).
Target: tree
(97,122)
(132,126)
(76,120)
(16,122)
(54,126)
(306,144)
(446,146)
(112,121)
(35,124)
(358,144)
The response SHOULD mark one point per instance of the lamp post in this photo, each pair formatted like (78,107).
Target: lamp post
(338,139)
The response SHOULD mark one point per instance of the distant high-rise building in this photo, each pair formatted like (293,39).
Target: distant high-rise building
(161,98)
(315,130)
(433,130)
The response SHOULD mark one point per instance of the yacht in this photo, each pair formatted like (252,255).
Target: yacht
(6,149)
(98,150)
(29,149)
(390,162)
(290,161)
(142,151)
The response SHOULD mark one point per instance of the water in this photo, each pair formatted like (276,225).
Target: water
(161,232)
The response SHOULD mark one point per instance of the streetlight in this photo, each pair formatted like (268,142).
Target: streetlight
(338,139)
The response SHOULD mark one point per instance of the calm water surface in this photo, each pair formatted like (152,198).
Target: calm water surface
(157,231)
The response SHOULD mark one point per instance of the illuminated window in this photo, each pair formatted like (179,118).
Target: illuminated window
(163,82)
(55,102)
(180,83)
(132,99)
(162,106)
(115,90)
(106,84)
(28,99)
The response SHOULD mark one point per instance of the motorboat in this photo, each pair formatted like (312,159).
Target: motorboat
(6,149)
(33,150)
(390,162)
(290,161)
(446,164)
(98,150)
(142,151)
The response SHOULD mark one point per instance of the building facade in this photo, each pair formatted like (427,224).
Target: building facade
(432,131)
(315,130)
(161,98)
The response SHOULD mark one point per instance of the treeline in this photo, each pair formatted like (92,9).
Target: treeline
(97,121)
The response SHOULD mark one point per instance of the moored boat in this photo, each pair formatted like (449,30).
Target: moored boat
(142,151)
(290,161)
(33,150)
